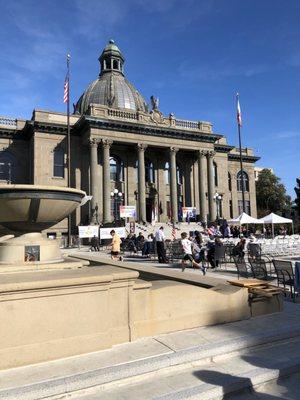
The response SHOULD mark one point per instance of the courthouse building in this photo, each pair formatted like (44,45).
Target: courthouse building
(158,163)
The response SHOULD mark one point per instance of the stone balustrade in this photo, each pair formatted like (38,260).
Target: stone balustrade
(8,121)
(122,114)
(181,123)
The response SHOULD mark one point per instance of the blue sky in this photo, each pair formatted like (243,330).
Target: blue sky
(193,55)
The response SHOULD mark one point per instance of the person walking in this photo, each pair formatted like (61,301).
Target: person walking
(160,245)
(188,253)
(115,246)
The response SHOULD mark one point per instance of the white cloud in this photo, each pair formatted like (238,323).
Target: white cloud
(287,134)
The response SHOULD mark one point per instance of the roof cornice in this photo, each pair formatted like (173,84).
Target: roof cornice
(144,129)
(245,158)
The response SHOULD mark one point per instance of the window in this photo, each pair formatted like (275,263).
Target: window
(7,162)
(58,163)
(215,174)
(245,181)
(231,209)
(179,176)
(149,172)
(115,64)
(167,173)
(247,207)
(229,182)
(116,169)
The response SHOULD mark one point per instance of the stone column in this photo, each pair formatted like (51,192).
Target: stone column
(173,184)
(106,181)
(211,185)
(141,182)
(201,163)
(94,180)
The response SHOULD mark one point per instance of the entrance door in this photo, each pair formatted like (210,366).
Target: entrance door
(149,209)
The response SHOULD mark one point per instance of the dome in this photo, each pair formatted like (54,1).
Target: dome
(111,88)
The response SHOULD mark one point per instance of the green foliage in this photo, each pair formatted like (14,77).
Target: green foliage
(297,200)
(271,195)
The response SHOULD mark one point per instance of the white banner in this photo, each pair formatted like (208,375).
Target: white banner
(191,211)
(88,231)
(105,232)
(127,211)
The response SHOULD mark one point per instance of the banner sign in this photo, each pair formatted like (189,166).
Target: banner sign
(191,211)
(105,232)
(88,231)
(127,212)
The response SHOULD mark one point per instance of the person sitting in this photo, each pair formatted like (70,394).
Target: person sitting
(148,245)
(188,253)
(95,244)
(211,250)
(238,250)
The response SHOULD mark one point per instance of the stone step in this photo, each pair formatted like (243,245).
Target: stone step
(148,357)
(212,380)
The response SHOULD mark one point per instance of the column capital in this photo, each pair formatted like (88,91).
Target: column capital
(142,146)
(202,153)
(210,154)
(174,149)
(93,142)
(107,142)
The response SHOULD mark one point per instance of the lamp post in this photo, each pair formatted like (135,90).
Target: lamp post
(218,199)
(117,198)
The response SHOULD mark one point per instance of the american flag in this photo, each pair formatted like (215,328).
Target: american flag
(67,81)
(173,232)
(66,89)
(239,114)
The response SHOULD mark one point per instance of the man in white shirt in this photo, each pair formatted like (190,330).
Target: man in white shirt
(188,253)
(160,245)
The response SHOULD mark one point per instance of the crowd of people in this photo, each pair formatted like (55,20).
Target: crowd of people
(197,250)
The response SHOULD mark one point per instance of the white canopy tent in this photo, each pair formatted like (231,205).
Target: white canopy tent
(244,219)
(276,219)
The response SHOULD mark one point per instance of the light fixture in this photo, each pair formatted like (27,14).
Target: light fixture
(112,194)
(116,191)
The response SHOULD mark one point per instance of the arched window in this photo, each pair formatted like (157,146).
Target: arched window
(167,173)
(116,169)
(59,162)
(149,172)
(245,181)
(215,174)
(115,64)
(229,182)
(7,165)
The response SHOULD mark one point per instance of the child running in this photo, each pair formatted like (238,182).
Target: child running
(188,254)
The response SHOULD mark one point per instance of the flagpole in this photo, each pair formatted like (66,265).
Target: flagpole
(240,149)
(68,145)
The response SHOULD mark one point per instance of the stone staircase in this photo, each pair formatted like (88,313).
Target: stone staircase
(168,227)
(230,360)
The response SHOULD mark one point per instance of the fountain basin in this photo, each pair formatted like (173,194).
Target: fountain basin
(32,208)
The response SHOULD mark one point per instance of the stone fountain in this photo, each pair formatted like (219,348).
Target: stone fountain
(26,210)
(52,308)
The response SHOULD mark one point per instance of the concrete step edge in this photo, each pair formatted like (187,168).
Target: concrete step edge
(249,380)
(100,376)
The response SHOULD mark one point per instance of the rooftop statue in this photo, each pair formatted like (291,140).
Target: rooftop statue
(154,102)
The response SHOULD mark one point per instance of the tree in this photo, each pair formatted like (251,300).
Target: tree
(297,200)
(271,195)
